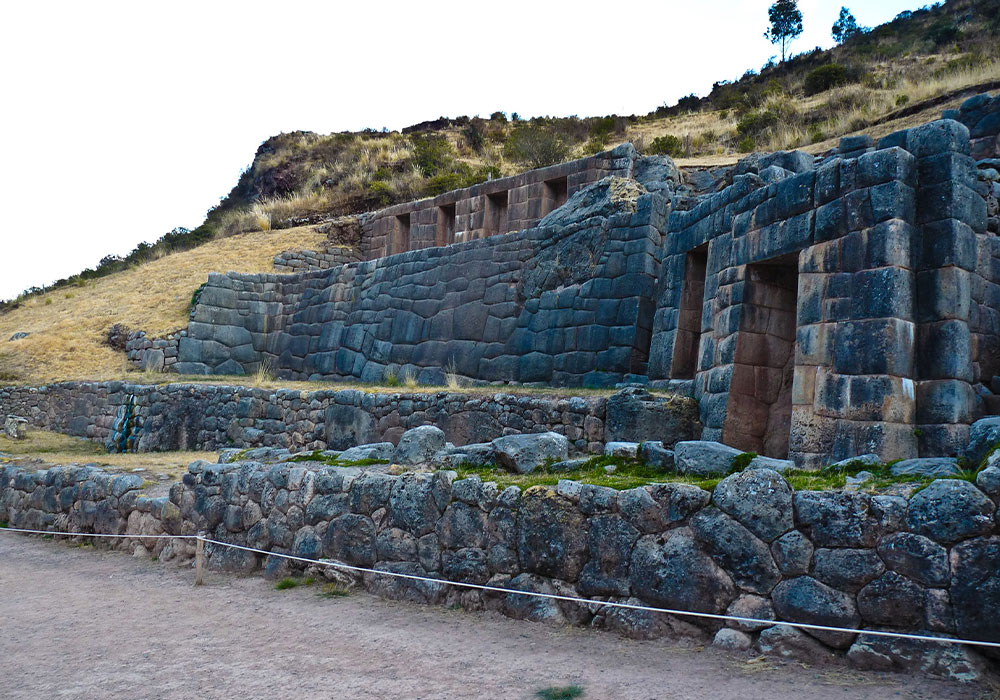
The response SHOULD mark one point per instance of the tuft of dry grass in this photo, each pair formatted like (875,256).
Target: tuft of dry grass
(66,338)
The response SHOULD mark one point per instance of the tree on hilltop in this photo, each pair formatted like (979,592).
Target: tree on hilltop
(846,27)
(786,24)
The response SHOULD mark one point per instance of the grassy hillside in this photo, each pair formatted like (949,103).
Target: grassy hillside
(68,327)
(898,75)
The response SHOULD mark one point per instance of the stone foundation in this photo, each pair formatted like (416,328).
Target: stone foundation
(750,548)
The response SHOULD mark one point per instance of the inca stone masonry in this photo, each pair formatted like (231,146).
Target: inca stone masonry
(816,307)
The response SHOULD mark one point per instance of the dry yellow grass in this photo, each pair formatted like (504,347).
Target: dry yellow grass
(67,334)
(54,448)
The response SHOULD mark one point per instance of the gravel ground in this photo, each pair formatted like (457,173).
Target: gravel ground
(80,623)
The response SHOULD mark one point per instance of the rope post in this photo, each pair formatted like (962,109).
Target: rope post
(199,559)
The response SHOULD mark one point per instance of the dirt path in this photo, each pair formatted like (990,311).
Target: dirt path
(79,623)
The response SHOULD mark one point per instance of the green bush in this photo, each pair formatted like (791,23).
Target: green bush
(379,193)
(668,145)
(825,77)
(755,123)
(535,146)
(432,153)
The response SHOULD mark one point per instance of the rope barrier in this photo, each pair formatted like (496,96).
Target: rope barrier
(533,594)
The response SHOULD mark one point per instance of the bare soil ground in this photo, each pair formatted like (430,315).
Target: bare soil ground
(80,623)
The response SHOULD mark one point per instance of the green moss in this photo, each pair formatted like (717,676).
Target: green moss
(318,456)
(742,461)
(290,582)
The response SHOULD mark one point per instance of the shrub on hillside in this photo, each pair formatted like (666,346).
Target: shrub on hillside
(668,145)
(825,77)
(118,336)
(535,146)
(432,153)
(943,31)
(753,124)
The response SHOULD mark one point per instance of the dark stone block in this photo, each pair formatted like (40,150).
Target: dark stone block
(881,293)
(883,346)
(945,351)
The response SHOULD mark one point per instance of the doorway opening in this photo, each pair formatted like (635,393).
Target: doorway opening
(401,235)
(554,195)
(688,339)
(446,225)
(759,415)
(496,213)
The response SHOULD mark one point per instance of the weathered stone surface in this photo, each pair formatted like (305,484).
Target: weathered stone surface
(656,455)
(778,465)
(892,599)
(536,609)
(790,643)
(988,481)
(419,445)
(793,553)
(621,449)
(523,453)
(754,607)
(731,639)
(975,588)
(609,542)
(351,539)
(837,519)
(877,653)
(552,535)
(462,526)
(381,451)
(930,466)
(949,510)
(671,571)
(917,557)
(634,415)
(704,457)
(395,588)
(413,503)
(984,437)
(742,555)
(847,569)
(760,499)
(348,426)
(655,507)
(15,427)
(804,599)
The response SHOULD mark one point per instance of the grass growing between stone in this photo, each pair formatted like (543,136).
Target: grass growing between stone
(560,692)
(290,582)
(334,590)
(624,473)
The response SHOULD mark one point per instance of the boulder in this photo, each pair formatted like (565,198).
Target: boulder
(604,198)
(949,510)
(728,638)
(893,599)
(790,643)
(984,437)
(552,535)
(793,553)
(346,426)
(847,569)
(917,557)
(610,542)
(744,557)
(760,499)
(753,607)
(419,445)
(380,451)
(866,460)
(621,449)
(670,570)
(704,458)
(926,466)
(778,465)
(634,414)
(878,653)
(806,600)
(15,427)
(837,518)
(524,453)
(988,480)
(654,454)
(975,588)
(655,507)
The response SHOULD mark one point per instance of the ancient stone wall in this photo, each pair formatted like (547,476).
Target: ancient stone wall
(491,208)
(876,264)
(568,303)
(752,548)
(153,354)
(303,260)
(205,417)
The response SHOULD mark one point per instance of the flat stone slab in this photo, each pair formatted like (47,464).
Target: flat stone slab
(926,466)
(704,457)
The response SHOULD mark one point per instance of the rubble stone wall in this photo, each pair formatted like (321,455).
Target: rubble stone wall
(151,418)
(752,548)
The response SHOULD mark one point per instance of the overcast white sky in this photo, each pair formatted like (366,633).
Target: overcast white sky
(123,120)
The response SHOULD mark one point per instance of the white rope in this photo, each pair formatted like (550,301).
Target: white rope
(98,534)
(627,606)
(533,594)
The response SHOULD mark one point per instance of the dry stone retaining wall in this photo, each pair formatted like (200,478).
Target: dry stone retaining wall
(207,417)
(751,548)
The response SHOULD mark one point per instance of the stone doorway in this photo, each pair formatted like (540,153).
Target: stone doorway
(446,225)
(496,213)
(401,234)
(759,415)
(686,344)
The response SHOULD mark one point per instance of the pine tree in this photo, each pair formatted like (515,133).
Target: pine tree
(786,24)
